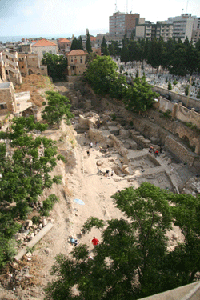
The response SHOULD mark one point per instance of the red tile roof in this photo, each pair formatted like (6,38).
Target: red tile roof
(92,39)
(43,43)
(77,52)
(64,40)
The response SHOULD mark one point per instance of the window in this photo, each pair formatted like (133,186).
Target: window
(81,60)
(3,105)
(43,52)
(50,52)
(72,59)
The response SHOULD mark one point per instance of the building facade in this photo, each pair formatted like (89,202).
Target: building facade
(43,46)
(183,26)
(121,24)
(76,62)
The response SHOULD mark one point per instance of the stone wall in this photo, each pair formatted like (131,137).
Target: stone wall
(180,150)
(7,100)
(157,130)
(181,98)
(180,112)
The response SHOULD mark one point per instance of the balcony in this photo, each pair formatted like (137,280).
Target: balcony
(13,63)
(11,55)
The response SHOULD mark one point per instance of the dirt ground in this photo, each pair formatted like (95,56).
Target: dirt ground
(37,85)
(80,180)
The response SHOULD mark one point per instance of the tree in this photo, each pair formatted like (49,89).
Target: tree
(56,65)
(125,51)
(140,96)
(58,107)
(100,73)
(25,174)
(104,49)
(130,258)
(88,44)
(77,44)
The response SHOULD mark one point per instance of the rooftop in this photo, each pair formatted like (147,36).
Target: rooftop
(43,43)
(77,52)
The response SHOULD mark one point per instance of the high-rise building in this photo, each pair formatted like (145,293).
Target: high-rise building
(122,24)
(183,26)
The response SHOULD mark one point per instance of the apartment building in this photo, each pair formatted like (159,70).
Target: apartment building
(10,67)
(145,31)
(121,24)
(183,26)
(165,30)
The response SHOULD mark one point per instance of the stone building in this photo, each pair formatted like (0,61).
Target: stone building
(44,46)
(7,98)
(76,62)
(64,45)
(10,67)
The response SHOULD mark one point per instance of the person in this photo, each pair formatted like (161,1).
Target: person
(107,173)
(91,144)
(111,173)
(88,153)
(95,241)
(160,149)
(156,153)
(75,242)
(151,149)
(85,134)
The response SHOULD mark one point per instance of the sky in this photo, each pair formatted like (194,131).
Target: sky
(66,17)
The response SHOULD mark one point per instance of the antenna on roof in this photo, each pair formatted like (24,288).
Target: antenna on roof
(187,5)
(116,6)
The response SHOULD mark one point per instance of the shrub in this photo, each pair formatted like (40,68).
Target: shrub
(48,205)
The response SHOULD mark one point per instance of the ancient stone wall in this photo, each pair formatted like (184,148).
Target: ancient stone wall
(180,150)
(157,130)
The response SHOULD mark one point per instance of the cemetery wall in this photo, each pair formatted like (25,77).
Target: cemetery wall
(180,112)
(184,99)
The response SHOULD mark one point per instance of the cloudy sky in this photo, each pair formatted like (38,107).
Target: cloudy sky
(65,17)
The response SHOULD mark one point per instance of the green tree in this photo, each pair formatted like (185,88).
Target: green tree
(88,44)
(100,73)
(25,173)
(104,49)
(56,65)
(77,44)
(140,96)
(114,48)
(57,107)
(125,54)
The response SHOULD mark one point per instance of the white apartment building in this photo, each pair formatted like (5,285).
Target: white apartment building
(164,30)
(183,26)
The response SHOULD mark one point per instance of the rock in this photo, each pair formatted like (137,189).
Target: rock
(29,223)
(99,163)
(31,236)
(44,222)
(51,220)
(40,226)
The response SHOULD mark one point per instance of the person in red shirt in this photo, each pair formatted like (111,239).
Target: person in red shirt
(95,241)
